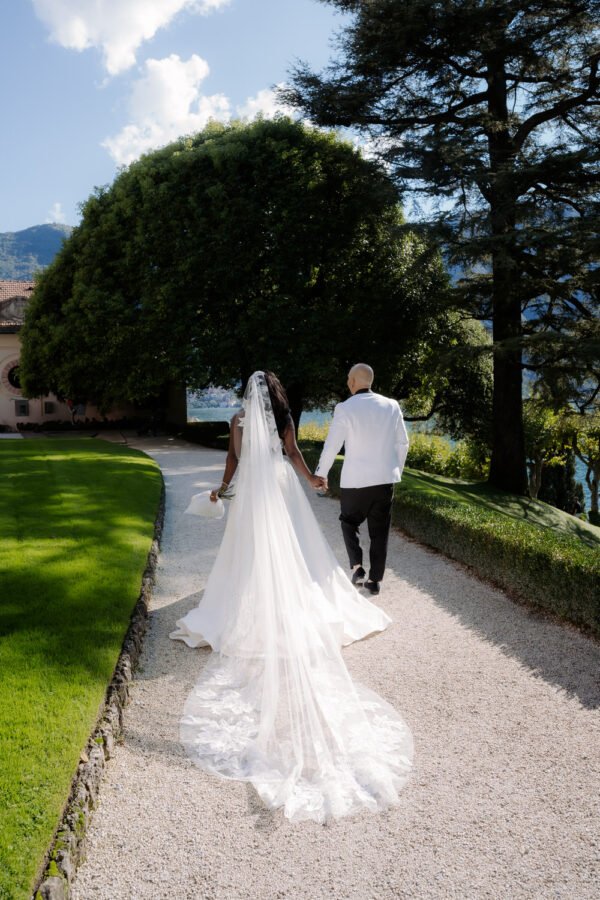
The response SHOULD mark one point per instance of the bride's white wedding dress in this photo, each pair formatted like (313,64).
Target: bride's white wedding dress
(275,704)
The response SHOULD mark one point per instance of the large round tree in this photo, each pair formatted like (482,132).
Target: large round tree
(269,245)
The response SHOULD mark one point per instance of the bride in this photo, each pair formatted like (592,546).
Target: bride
(275,704)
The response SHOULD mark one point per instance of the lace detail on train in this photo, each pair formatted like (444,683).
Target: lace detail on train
(275,704)
(355,755)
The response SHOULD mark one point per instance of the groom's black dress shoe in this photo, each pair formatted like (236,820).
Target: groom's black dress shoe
(372,587)
(358,576)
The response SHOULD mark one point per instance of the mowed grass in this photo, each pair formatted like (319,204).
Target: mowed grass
(480,494)
(76,525)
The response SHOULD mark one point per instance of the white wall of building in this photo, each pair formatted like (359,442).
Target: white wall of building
(16,410)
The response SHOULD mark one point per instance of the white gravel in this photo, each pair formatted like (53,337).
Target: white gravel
(505,711)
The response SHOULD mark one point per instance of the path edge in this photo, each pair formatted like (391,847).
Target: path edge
(67,847)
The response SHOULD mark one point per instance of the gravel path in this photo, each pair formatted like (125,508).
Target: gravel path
(503,704)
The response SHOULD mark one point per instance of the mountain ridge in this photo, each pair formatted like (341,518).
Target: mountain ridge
(25,252)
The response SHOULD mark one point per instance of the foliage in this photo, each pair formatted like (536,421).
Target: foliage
(540,555)
(439,456)
(468,459)
(560,487)
(567,366)
(77,521)
(244,247)
(448,375)
(313,431)
(428,452)
(584,432)
(544,441)
(557,572)
(209,434)
(489,111)
(137,423)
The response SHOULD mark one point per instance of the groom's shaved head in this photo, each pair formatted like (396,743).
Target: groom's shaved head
(362,374)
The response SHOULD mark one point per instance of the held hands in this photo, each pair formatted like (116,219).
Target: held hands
(318,483)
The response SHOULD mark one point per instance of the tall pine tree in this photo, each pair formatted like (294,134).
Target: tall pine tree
(489,111)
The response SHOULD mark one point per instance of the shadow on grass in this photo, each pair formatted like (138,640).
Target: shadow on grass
(522,508)
(77,523)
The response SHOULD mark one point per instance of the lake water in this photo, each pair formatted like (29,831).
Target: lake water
(224,414)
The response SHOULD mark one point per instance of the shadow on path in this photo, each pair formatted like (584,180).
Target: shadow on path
(554,651)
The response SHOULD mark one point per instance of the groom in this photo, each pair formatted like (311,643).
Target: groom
(372,428)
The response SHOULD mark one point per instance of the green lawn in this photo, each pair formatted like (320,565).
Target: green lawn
(480,494)
(76,520)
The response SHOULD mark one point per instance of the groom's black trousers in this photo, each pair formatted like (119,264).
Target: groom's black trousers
(373,503)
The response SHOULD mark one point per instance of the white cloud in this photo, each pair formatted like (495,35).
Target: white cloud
(117,27)
(56,215)
(167,102)
(265,104)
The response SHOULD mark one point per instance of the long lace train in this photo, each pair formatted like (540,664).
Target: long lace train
(331,749)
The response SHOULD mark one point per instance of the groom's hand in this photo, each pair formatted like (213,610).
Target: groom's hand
(318,483)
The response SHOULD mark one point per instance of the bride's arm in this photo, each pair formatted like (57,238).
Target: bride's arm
(294,454)
(231,463)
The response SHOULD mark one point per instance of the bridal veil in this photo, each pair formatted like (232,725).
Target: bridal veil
(275,704)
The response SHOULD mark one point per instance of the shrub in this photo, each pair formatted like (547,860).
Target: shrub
(209,434)
(313,431)
(555,571)
(429,453)
(138,423)
(437,455)
(467,460)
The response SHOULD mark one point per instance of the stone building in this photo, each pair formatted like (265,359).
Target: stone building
(16,411)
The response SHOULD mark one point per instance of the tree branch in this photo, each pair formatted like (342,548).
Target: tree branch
(561,108)
(449,115)
(435,407)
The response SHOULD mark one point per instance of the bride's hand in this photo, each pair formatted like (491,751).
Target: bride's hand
(214,496)
(317,482)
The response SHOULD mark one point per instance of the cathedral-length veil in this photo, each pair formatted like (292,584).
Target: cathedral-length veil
(275,704)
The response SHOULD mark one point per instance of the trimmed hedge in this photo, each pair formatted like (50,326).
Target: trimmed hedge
(209,434)
(557,572)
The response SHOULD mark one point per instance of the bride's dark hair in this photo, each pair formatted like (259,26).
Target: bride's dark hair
(279,402)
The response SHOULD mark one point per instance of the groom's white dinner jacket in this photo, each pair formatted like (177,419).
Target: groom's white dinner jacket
(372,428)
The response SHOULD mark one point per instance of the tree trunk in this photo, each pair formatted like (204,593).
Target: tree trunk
(507,468)
(535,477)
(591,477)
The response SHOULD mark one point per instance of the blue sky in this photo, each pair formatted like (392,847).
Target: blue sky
(89,84)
